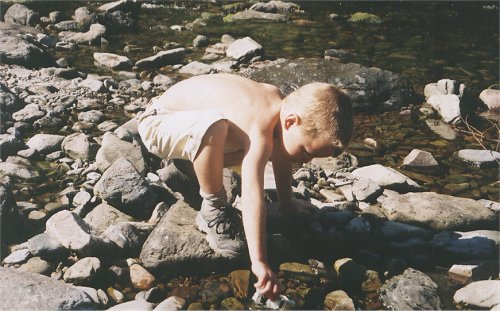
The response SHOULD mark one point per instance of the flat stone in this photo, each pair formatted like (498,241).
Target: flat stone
(365,189)
(105,215)
(441,128)
(456,246)
(438,211)
(420,159)
(480,294)
(17,257)
(45,143)
(113,61)
(479,158)
(387,177)
(464,273)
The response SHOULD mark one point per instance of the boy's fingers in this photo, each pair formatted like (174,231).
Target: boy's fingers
(266,290)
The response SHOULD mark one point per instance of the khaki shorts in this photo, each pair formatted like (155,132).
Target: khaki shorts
(175,134)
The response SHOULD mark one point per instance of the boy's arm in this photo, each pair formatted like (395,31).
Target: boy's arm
(282,169)
(254,214)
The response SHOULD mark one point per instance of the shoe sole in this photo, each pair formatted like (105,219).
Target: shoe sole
(203,227)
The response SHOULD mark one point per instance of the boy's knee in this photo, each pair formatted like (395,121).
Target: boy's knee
(218,129)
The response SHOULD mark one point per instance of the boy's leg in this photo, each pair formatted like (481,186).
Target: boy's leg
(215,216)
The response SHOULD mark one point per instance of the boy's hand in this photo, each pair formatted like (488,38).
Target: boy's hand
(299,208)
(267,282)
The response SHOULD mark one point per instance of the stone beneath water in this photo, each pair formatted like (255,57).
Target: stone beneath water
(438,211)
(31,291)
(412,290)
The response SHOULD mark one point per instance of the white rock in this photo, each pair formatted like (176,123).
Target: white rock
(171,303)
(420,159)
(448,106)
(491,98)
(141,305)
(482,294)
(242,47)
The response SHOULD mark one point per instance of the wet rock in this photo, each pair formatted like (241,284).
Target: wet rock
(456,246)
(441,128)
(255,15)
(113,148)
(481,294)
(448,106)
(11,220)
(171,303)
(141,278)
(80,146)
(115,295)
(73,233)
(387,177)
(369,88)
(178,226)
(437,211)
(83,272)
(45,143)
(231,303)
(491,98)
(410,291)
(93,36)
(479,158)
(244,49)
(395,231)
(163,58)
(21,15)
(365,18)
(338,300)
(46,293)
(46,246)
(141,304)
(29,113)
(104,215)
(419,159)
(196,68)
(122,186)
(113,61)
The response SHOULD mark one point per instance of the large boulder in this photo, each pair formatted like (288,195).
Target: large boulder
(456,246)
(93,35)
(18,51)
(20,14)
(80,146)
(113,148)
(45,143)
(387,177)
(438,211)
(177,247)
(32,291)
(369,88)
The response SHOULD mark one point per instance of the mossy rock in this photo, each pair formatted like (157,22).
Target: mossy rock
(365,18)
(228,18)
(211,17)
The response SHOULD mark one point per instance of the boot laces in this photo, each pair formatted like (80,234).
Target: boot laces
(227,221)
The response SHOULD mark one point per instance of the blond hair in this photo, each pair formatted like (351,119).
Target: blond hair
(324,110)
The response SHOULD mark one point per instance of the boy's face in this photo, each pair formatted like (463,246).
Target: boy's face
(301,147)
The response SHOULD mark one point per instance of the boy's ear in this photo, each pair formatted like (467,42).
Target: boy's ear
(291,119)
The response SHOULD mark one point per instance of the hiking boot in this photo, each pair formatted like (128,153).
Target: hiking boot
(222,224)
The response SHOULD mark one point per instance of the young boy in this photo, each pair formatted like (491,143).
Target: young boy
(223,120)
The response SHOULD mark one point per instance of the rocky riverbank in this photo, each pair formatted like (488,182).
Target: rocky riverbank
(90,220)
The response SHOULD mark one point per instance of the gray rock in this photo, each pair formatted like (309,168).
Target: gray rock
(17,50)
(73,233)
(56,17)
(369,88)
(121,5)
(29,113)
(9,102)
(244,49)
(178,227)
(46,246)
(80,146)
(9,145)
(480,294)
(113,148)
(50,121)
(386,177)
(129,132)
(200,41)
(491,98)
(92,116)
(36,265)
(113,61)
(256,15)
(93,84)
(93,36)
(275,6)
(45,293)
(412,290)
(438,211)
(458,246)
(492,205)
(163,80)
(104,215)
(395,231)
(196,68)
(141,304)
(45,143)
(68,26)
(163,58)
(17,169)
(128,236)
(420,159)
(122,186)
(16,257)
(20,14)
(365,189)
(479,158)
(83,271)
(448,106)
